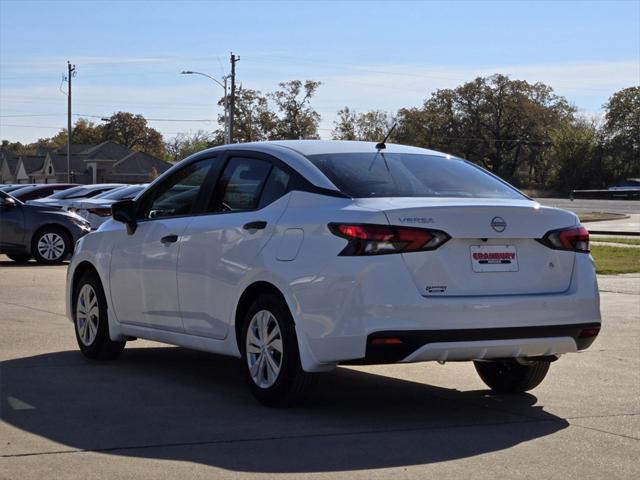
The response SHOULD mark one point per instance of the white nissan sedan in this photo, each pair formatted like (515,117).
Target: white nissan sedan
(298,256)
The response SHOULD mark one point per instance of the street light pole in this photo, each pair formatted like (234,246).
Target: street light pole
(227,136)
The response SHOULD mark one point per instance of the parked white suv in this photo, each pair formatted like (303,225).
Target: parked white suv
(302,255)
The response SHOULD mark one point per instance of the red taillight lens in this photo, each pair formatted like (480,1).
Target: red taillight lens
(367,239)
(589,332)
(386,341)
(575,239)
(101,212)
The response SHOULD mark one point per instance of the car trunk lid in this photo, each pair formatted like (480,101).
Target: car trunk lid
(493,250)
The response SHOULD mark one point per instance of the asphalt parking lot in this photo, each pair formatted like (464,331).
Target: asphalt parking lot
(165,412)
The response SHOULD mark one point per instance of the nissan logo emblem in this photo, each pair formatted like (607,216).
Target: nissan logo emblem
(498,224)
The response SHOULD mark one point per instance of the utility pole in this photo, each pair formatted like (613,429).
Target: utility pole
(232,103)
(71,71)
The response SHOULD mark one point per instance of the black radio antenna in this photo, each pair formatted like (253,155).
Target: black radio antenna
(382,145)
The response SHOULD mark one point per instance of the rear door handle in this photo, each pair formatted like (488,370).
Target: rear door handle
(173,238)
(259,225)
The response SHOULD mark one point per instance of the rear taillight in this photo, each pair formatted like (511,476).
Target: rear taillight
(101,212)
(575,239)
(589,332)
(367,239)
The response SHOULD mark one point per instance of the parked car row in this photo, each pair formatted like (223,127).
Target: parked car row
(64,198)
(40,221)
(35,191)
(98,209)
(47,234)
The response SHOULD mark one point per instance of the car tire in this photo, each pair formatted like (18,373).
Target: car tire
(19,258)
(510,376)
(270,354)
(51,245)
(90,320)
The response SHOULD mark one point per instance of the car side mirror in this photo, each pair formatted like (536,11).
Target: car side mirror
(7,202)
(125,212)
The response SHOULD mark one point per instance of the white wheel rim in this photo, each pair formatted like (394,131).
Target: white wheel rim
(264,349)
(87,315)
(51,246)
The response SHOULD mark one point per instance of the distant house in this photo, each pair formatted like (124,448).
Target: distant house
(26,167)
(8,164)
(104,163)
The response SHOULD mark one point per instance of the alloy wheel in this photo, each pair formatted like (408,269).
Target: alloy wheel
(87,315)
(264,349)
(51,246)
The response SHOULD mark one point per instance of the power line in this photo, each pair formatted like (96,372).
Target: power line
(198,120)
(86,115)
(33,115)
(27,126)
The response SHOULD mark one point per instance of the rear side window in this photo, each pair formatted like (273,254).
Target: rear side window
(362,175)
(240,185)
(277,185)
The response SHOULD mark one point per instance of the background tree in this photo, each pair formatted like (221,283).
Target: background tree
(296,118)
(38,147)
(131,131)
(84,132)
(576,155)
(183,145)
(503,124)
(621,135)
(371,126)
(254,119)
(87,133)
(346,125)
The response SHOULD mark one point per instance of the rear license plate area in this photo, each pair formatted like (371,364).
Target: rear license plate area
(494,258)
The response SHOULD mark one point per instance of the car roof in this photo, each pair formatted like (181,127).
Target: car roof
(44,186)
(295,153)
(319,147)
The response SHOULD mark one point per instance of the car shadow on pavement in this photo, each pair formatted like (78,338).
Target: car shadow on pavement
(176,404)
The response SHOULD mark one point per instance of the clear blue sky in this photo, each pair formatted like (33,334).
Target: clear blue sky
(384,55)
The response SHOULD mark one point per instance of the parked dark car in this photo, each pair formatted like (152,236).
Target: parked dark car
(15,186)
(40,191)
(66,197)
(45,233)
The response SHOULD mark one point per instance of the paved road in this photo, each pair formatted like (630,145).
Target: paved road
(614,206)
(163,412)
(630,208)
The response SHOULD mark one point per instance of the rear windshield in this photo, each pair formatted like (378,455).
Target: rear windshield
(23,190)
(121,193)
(80,192)
(68,192)
(362,175)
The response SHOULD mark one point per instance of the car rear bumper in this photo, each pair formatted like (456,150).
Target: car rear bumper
(478,344)
(450,328)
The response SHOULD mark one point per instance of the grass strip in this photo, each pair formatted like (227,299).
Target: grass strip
(615,260)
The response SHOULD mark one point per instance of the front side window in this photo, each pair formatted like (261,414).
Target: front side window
(240,185)
(178,194)
(362,175)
